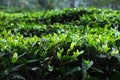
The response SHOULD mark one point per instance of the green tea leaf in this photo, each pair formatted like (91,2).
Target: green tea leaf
(15,57)
(59,55)
(16,68)
(50,68)
(66,57)
(87,64)
(77,53)
(31,61)
(72,45)
(72,71)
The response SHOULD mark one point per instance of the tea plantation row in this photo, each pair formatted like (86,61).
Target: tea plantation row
(68,44)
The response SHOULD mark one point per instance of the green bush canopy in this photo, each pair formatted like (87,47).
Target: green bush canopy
(67,44)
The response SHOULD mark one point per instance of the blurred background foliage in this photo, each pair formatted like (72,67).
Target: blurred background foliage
(32,5)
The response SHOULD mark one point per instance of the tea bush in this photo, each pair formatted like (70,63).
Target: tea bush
(74,44)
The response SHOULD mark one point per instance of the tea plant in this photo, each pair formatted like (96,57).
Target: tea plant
(76,44)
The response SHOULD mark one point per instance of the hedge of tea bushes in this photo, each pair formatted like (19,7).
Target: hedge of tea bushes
(91,16)
(75,44)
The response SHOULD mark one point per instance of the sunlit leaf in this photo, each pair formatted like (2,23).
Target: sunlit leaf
(59,55)
(15,57)
(72,45)
(77,53)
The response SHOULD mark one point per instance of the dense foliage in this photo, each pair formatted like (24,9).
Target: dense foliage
(68,44)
